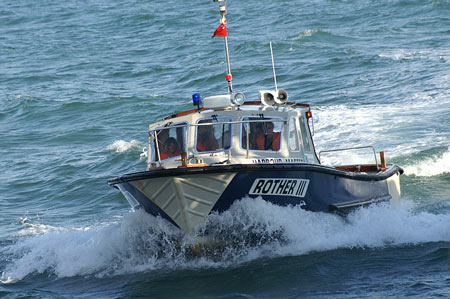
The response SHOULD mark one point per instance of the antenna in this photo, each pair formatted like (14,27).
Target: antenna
(273,66)
(280,96)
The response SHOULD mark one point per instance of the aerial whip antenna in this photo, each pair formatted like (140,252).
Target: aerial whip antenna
(273,67)
(281,95)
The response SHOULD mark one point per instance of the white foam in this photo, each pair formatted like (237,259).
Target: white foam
(20,96)
(30,228)
(99,250)
(406,128)
(375,226)
(120,146)
(309,32)
(425,54)
(251,229)
(344,126)
(436,165)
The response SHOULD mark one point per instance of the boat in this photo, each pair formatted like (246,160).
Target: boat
(202,160)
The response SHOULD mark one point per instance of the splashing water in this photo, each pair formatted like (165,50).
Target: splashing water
(120,146)
(251,229)
(431,166)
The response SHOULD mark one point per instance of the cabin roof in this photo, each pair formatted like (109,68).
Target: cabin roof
(245,105)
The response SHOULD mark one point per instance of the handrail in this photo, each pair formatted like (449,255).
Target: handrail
(352,148)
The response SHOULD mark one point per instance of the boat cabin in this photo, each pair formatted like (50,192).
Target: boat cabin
(223,133)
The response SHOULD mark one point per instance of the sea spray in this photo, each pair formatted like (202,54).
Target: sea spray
(430,166)
(120,146)
(251,229)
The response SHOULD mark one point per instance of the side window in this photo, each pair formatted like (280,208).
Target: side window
(305,136)
(213,134)
(292,138)
(171,141)
(263,134)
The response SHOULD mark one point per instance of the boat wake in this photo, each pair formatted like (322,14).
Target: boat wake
(438,164)
(251,229)
(331,128)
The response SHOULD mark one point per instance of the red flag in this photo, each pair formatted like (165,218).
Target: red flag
(221,31)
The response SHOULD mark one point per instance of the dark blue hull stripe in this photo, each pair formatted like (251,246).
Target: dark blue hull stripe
(323,190)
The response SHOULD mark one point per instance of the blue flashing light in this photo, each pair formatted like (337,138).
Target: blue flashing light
(196,99)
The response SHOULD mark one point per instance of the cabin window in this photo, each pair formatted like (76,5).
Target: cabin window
(170,141)
(292,138)
(213,134)
(305,137)
(264,134)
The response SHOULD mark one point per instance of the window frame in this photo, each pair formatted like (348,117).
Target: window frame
(220,121)
(305,135)
(293,120)
(258,119)
(183,125)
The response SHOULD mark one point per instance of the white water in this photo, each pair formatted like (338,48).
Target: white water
(140,242)
(431,166)
(382,126)
(120,146)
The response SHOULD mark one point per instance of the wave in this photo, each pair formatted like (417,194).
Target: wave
(120,146)
(319,36)
(251,229)
(312,32)
(29,228)
(405,54)
(432,166)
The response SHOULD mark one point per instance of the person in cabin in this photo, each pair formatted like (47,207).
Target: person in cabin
(257,132)
(171,149)
(270,140)
(206,141)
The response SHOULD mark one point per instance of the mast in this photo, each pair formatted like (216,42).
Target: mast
(222,31)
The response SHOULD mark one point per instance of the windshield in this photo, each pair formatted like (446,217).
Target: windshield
(213,137)
(264,134)
(170,141)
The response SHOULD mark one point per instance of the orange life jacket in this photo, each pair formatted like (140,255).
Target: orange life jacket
(274,145)
(208,146)
(165,155)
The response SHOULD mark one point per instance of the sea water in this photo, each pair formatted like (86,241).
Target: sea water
(81,81)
